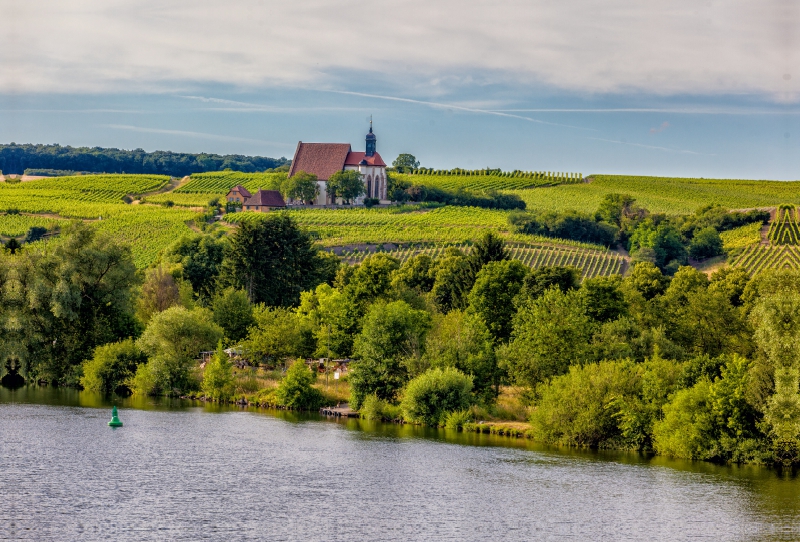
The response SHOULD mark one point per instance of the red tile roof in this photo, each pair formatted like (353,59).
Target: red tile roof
(266,198)
(242,190)
(321,159)
(354,158)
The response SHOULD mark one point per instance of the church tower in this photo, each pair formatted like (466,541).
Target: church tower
(371,140)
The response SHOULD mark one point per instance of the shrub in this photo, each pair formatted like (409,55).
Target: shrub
(111,366)
(218,376)
(430,396)
(376,409)
(581,408)
(457,419)
(295,390)
(371,202)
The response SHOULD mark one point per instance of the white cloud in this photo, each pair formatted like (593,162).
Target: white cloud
(657,46)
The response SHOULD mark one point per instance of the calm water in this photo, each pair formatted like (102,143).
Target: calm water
(182,472)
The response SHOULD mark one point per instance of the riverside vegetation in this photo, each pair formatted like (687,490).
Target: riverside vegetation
(666,359)
(474,309)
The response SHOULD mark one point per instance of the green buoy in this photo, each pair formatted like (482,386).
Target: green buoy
(114,418)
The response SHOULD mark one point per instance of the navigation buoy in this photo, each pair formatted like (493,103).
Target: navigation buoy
(114,418)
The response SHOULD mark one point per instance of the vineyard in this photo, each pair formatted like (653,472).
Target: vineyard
(757,258)
(592,263)
(406,224)
(17,225)
(183,200)
(741,237)
(487,179)
(784,230)
(662,194)
(221,182)
(783,250)
(101,200)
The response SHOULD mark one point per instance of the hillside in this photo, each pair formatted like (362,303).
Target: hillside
(151,211)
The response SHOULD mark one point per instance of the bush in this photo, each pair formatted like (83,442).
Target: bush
(111,366)
(430,396)
(582,407)
(376,409)
(371,202)
(457,419)
(218,376)
(295,390)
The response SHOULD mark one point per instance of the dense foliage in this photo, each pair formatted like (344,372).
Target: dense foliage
(15,159)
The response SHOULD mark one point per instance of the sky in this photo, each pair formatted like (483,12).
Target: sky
(693,88)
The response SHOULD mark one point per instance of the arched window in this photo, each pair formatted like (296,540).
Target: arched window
(369,186)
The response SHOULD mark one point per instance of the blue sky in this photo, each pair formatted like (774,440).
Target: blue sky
(680,88)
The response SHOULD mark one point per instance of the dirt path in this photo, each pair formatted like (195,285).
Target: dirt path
(173,184)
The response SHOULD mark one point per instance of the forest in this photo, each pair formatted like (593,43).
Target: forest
(666,360)
(58,160)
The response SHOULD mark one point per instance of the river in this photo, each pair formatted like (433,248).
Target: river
(178,471)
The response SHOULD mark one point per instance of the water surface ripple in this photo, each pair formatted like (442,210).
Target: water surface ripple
(197,474)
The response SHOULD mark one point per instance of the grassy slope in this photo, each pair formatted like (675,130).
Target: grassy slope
(151,228)
(664,195)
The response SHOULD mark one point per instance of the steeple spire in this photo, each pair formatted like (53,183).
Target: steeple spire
(371,140)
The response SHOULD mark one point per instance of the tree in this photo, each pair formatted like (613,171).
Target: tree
(272,260)
(492,297)
(665,241)
(347,185)
(452,282)
(405,162)
(614,207)
(159,292)
(172,340)
(372,278)
(200,257)
(706,243)
(392,338)
(301,186)
(333,318)
(274,336)
(538,281)
(462,341)
(605,300)
(111,366)
(218,376)
(78,295)
(233,313)
(415,274)
(550,334)
(432,395)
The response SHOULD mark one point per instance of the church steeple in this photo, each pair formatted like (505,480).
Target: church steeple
(371,140)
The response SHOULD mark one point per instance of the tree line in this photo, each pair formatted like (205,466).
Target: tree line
(16,159)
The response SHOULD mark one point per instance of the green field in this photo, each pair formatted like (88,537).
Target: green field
(664,195)
(99,199)
(18,225)
(486,180)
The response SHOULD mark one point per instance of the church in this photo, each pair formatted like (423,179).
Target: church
(325,159)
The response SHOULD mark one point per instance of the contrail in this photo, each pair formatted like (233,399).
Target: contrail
(667,149)
(439,105)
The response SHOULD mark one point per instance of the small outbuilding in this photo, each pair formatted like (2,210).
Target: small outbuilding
(264,201)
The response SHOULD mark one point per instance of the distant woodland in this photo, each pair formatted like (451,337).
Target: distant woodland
(38,159)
